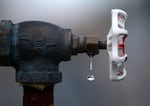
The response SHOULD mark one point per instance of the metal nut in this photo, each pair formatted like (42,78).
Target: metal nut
(92,44)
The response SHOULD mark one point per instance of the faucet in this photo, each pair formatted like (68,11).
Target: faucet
(36,48)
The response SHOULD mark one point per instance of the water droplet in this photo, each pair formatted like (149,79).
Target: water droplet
(91,64)
(90,77)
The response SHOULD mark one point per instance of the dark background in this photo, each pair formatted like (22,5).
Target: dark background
(87,17)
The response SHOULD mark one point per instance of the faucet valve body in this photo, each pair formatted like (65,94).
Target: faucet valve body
(36,48)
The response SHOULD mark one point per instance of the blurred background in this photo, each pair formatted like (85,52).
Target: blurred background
(87,17)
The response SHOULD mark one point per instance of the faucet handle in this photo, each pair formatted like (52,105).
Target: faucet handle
(116,44)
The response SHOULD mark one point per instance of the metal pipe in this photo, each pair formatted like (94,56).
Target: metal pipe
(36,97)
(35,49)
(102,44)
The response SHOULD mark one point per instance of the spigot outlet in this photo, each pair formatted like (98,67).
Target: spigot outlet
(36,48)
(89,44)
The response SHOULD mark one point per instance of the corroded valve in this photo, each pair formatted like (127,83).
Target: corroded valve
(36,48)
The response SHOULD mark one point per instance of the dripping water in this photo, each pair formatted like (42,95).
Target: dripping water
(91,77)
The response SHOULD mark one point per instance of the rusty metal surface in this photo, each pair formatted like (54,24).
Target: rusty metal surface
(85,44)
(78,44)
(92,45)
(35,97)
(36,48)
(5,30)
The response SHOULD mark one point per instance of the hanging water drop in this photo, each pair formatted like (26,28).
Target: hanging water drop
(91,77)
(91,63)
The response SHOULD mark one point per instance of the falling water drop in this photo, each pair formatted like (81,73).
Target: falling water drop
(90,77)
